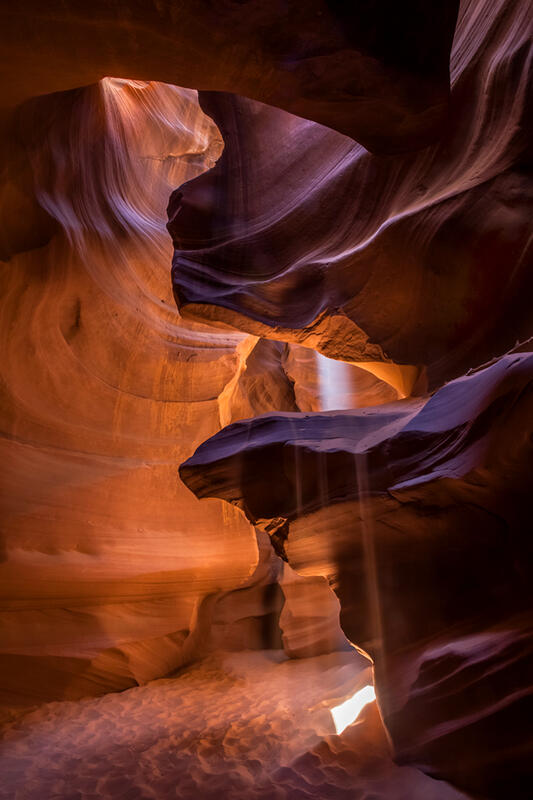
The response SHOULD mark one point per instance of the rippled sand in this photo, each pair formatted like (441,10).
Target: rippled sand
(236,726)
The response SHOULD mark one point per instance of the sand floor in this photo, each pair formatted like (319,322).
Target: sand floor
(236,726)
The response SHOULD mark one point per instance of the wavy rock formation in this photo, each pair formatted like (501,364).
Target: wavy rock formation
(300,613)
(109,566)
(417,514)
(350,208)
(415,511)
(288,377)
(378,72)
(105,389)
(300,234)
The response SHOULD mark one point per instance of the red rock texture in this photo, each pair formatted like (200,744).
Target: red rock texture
(378,72)
(301,234)
(105,390)
(357,188)
(111,570)
(417,513)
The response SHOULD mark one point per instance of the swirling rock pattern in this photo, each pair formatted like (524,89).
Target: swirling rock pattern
(406,252)
(300,234)
(379,72)
(417,513)
(102,587)
(104,389)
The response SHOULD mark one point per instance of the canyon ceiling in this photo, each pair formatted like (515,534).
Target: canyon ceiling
(267,370)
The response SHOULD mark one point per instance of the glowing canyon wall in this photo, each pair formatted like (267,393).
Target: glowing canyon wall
(98,369)
(302,420)
(416,511)
(112,572)
(421,259)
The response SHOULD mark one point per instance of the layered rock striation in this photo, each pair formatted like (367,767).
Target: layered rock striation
(301,234)
(109,565)
(416,512)
(335,199)
(112,572)
(378,72)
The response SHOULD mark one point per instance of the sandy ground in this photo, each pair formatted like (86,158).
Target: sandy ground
(235,727)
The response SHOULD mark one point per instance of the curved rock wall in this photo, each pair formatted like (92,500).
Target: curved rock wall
(378,72)
(417,514)
(415,511)
(112,572)
(422,259)
(106,557)
(406,252)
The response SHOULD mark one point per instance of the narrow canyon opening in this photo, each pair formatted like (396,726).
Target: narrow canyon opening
(266,401)
(132,578)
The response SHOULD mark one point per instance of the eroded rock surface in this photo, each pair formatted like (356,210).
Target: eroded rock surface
(112,572)
(110,568)
(378,72)
(404,250)
(417,512)
(300,234)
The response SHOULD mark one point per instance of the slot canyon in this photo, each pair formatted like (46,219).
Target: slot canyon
(266,400)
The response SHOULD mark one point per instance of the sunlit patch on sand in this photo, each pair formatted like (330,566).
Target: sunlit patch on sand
(348,711)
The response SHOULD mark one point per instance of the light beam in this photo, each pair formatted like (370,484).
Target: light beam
(348,711)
